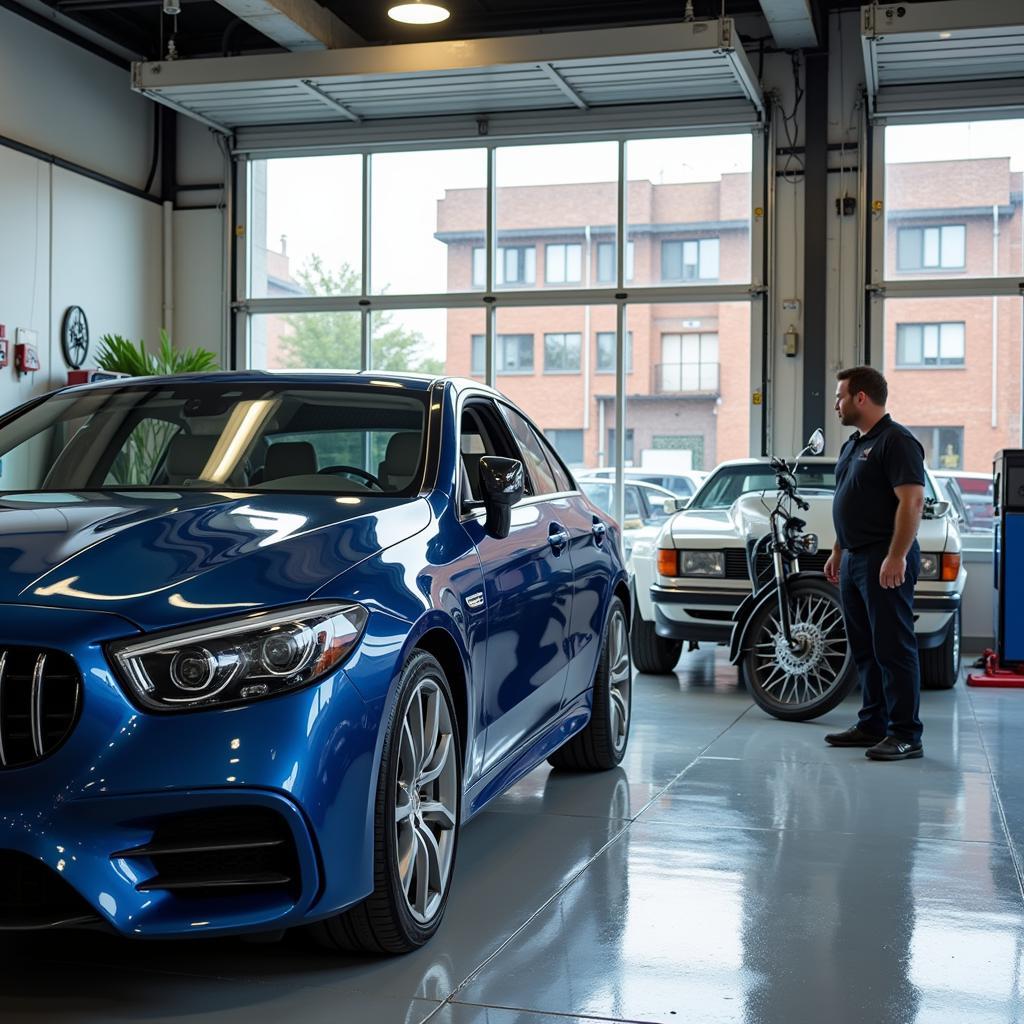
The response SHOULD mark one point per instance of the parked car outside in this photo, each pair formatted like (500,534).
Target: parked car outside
(683,483)
(724,520)
(976,489)
(644,505)
(269,640)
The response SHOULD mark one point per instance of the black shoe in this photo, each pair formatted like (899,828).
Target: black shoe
(893,749)
(853,737)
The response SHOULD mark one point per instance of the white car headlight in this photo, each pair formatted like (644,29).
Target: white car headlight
(239,660)
(701,563)
(929,567)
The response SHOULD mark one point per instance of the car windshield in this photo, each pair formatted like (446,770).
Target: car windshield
(727,483)
(211,435)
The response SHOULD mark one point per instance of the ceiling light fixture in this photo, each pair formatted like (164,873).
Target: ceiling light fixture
(419,12)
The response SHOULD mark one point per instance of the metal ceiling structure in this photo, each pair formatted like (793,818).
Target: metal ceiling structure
(954,56)
(685,62)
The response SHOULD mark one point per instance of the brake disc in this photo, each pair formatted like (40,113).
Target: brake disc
(808,652)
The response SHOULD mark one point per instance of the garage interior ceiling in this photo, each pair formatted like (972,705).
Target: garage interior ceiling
(681,62)
(943,56)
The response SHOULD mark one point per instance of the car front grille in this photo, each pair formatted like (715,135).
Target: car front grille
(40,695)
(217,852)
(736,564)
(33,896)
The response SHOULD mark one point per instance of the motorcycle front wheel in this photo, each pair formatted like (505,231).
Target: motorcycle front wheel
(811,678)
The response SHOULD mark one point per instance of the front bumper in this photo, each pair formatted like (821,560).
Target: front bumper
(704,614)
(307,760)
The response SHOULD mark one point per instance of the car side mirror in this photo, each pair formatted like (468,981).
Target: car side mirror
(675,504)
(502,483)
(816,444)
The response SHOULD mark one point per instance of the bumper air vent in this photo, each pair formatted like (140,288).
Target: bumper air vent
(219,852)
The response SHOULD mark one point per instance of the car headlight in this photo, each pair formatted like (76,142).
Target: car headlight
(701,563)
(239,660)
(944,566)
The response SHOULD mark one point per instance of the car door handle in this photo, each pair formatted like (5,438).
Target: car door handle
(558,537)
(599,530)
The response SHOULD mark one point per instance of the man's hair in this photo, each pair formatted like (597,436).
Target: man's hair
(866,379)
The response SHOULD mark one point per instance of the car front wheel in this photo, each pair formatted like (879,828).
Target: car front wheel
(418,802)
(940,666)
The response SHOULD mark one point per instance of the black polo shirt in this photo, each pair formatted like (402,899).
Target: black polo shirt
(869,467)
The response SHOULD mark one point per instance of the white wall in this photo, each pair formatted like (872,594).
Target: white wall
(67,239)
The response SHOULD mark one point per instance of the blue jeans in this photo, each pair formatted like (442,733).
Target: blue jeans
(880,627)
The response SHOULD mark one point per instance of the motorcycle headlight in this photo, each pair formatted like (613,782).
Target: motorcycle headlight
(930,564)
(239,660)
(701,563)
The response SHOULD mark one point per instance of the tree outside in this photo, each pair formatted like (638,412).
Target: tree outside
(331,341)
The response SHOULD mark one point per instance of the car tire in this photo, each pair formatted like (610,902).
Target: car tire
(657,655)
(940,666)
(397,917)
(601,744)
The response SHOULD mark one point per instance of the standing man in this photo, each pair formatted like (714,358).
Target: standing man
(876,560)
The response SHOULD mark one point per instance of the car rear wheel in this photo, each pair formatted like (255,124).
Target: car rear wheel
(419,794)
(940,666)
(602,743)
(652,653)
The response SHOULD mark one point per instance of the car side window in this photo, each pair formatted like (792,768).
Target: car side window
(633,500)
(537,465)
(481,432)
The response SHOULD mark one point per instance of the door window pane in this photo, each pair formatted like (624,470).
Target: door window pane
(305,227)
(420,237)
(952,199)
(537,466)
(567,193)
(689,209)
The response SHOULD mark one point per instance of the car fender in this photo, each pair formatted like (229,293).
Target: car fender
(752,604)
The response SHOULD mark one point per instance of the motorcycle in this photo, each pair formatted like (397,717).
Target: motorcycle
(789,636)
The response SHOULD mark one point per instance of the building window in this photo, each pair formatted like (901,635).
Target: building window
(610,457)
(606,352)
(563,264)
(562,353)
(691,260)
(689,362)
(930,345)
(568,444)
(943,446)
(938,248)
(514,355)
(514,264)
(606,262)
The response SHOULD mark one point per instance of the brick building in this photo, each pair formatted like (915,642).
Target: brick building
(954,363)
(687,366)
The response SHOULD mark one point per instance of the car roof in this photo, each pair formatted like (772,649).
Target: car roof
(370,378)
(808,460)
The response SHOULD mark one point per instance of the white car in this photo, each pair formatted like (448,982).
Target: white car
(728,515)
(644,505)
(683,483)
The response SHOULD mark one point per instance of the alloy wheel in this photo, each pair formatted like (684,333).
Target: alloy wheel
(426,800)
(619,678)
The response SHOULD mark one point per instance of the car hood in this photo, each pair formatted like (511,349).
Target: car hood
(160,558)
(748,518)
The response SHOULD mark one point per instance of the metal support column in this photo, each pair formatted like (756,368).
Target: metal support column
(816,219)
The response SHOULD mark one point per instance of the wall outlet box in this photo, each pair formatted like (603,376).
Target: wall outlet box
(791,306)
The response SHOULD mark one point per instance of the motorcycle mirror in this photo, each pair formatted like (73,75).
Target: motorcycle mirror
(816,444)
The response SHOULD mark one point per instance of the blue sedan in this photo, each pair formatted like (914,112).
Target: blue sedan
(267,641)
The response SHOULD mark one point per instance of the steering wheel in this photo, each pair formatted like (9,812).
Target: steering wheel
(355,471)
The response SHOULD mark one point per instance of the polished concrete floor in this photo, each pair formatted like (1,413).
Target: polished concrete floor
(735,869)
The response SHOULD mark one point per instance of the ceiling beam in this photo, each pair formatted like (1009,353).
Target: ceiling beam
(791,23)
(296,25)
